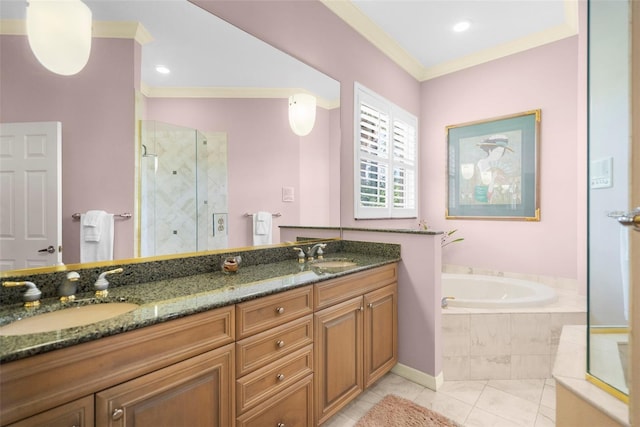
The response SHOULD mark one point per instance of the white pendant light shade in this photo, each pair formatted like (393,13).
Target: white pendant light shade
(59,33)
(302,113)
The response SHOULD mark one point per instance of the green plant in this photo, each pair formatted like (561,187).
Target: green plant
(446,238)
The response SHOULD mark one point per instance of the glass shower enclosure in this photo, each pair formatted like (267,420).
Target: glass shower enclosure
(174,175)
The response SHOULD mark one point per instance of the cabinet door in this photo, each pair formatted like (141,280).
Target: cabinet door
(289,408)
(196,392)
(338,364)
(380,332)
(78,413)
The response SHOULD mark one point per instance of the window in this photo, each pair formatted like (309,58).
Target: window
(385,158)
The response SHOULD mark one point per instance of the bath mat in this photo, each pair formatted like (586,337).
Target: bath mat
(624,360)
(398,412)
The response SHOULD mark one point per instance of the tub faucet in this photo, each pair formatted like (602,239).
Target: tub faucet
(445,301)
(67,290)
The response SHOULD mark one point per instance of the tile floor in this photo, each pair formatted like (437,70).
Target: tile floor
(499,403)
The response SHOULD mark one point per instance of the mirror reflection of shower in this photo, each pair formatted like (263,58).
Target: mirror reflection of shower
(183,184)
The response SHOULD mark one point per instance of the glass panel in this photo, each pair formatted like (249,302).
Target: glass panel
(609,156)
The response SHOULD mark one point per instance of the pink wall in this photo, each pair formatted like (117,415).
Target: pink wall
(545,78)
(263,156)
(309,31)
(549,77)
(96,108)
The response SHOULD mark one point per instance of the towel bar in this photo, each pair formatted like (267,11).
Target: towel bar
(125,215)
(277,214)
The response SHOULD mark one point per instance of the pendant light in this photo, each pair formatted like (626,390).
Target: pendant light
(59,33)
(302,113)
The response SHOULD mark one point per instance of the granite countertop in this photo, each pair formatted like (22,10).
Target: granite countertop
(164,300)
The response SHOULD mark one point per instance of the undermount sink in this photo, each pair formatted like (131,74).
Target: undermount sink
(67,318)
(333,265)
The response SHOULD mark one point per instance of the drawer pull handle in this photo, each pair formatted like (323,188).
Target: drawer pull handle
(280,377)
(117,414)
(280,310)
(280,343)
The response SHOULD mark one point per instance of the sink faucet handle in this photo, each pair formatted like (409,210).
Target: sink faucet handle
(102,283)
(31,296)
(301,255)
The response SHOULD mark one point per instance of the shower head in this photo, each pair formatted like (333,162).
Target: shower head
(145,154)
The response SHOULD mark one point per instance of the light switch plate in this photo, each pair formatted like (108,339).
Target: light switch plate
(602,173)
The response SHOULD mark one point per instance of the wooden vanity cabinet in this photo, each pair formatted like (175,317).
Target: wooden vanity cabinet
(57,382)
(355,340)
(195,392)
(78,413)
(274,360)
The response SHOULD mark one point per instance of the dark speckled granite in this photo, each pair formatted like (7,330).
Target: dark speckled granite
(175,288)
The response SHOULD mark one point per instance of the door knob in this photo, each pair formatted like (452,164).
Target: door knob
(50,250)
(629,218)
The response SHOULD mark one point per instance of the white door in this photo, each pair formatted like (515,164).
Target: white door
(30,195)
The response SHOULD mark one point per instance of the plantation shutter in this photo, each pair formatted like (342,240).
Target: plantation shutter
(385,159)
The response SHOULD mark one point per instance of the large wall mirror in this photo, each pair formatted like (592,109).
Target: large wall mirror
(609,261)
(226,95)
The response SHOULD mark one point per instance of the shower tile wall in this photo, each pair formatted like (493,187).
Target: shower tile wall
(484,346)
(177,214)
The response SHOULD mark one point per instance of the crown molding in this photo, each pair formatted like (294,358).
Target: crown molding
(100,29)
(232,92)
(354,17)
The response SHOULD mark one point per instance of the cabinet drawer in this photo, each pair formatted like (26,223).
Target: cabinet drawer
(291,408)
(259,350)
(266,312)
(257,386)
(334,291)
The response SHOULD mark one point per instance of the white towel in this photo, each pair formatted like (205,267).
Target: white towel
(92,225)
(262,228)
(101,249)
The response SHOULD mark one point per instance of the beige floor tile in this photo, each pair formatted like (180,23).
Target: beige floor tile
(395,384)
(530,390)
(516,409)
(480,418)
(495,403)
(466,391)
(450,407)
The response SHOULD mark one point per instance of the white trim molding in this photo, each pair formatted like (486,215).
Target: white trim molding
(419,377)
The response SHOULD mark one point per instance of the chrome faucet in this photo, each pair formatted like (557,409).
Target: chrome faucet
(67,290)
(102,283)
(311,252)
(316,249)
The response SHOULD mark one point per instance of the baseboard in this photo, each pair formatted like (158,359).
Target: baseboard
(418,377)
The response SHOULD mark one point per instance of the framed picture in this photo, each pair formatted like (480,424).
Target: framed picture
(492,168)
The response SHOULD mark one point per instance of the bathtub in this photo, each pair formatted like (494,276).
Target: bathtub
(478,291)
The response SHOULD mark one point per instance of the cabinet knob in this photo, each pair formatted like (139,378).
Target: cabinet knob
(280,425)
(361,308)
(280,310)
(370,305)
(280,343)
(280,377)
(117,414)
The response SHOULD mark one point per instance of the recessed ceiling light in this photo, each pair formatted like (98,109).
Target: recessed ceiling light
(461,26)
(162,69)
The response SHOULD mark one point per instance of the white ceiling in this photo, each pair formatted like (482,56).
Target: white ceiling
(416,34)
